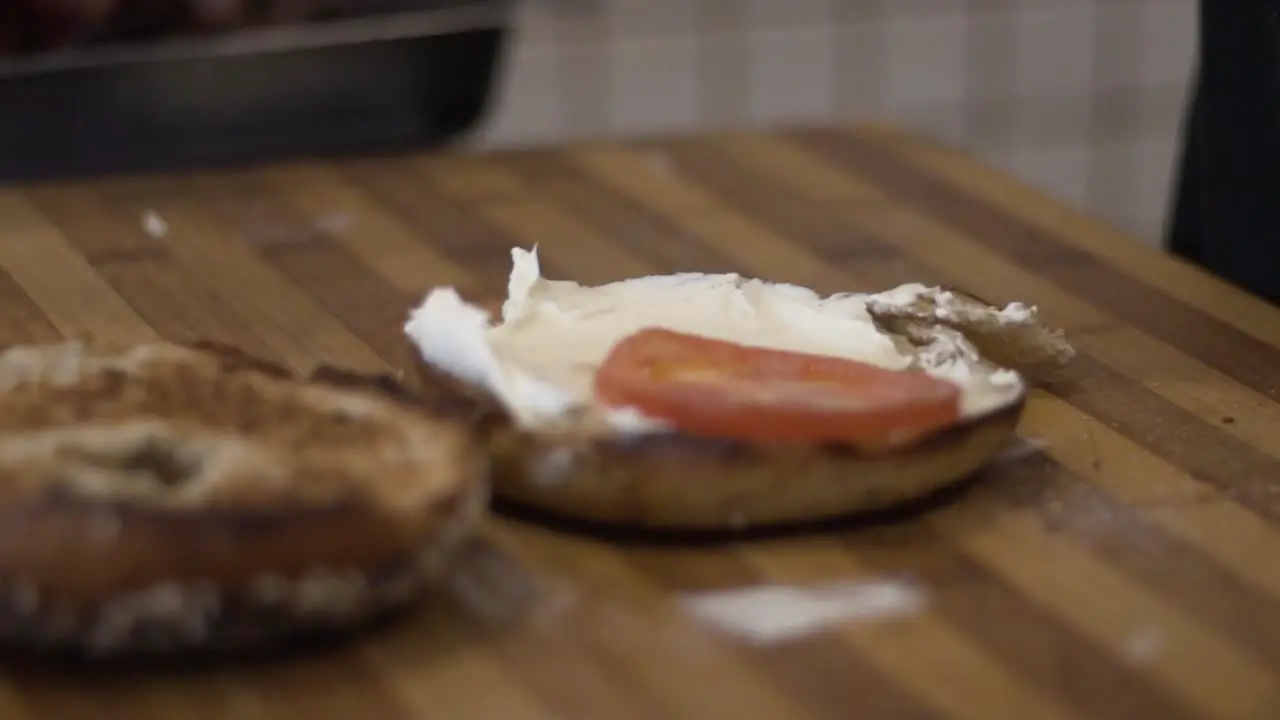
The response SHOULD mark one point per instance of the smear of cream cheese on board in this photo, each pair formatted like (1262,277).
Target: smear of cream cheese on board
(540,360)
(770,614)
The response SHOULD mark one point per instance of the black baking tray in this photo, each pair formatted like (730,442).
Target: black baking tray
(394,83)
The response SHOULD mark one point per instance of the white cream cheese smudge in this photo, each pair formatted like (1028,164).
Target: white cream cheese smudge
(770,614)
(154,225)
(540,360)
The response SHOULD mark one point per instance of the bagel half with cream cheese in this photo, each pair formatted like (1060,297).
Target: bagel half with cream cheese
(554,447)
(167,498)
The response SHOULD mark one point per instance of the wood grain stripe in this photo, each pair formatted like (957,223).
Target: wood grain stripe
(1200,667)
(1155,546)
(1192,386)
(648,236)
(471,176)
(864,264)
(174,302)
(573,248)
(762,189)
(1132,612)
(1159,491)
(102,236)
(439,663)
(21,320)
(629,622)
(820,671)
(354,292)
(179,306)
(225,693)
(1249,314)
(1092,680)
(400,191)
(962,593)
(364,303)
(1234,353)
(689,207)
(330,688)
(835,682)
(940,664)
(403,186)
(299,331)
(371,234)
(566,673)
(147,698)
(59,280)
(1216,457)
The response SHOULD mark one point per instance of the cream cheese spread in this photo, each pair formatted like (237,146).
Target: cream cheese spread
(540,359)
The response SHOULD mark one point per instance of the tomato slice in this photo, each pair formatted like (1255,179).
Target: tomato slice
(721,389)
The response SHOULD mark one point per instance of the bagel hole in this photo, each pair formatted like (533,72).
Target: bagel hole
(162,462)
(155,462)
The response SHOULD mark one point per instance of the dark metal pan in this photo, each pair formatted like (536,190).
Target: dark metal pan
(380,82)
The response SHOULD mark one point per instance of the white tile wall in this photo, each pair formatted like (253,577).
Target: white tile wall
(924,61)
(1054,47)
(654,85)
(1162,42)
(771,13)
(1060,169)
(1083,98)
(529,105)
(791,69)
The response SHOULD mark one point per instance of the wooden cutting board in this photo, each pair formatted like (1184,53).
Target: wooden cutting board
(1126,566)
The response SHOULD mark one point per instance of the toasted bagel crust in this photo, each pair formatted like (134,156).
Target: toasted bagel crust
(167,498)
(673,482)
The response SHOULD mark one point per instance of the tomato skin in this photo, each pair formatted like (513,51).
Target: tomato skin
(721,389)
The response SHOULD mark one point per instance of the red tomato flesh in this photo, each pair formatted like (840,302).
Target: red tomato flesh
(721,389)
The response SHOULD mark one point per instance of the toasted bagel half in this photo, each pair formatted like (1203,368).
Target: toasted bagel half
(678,483)
(164,498)
(666,481)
